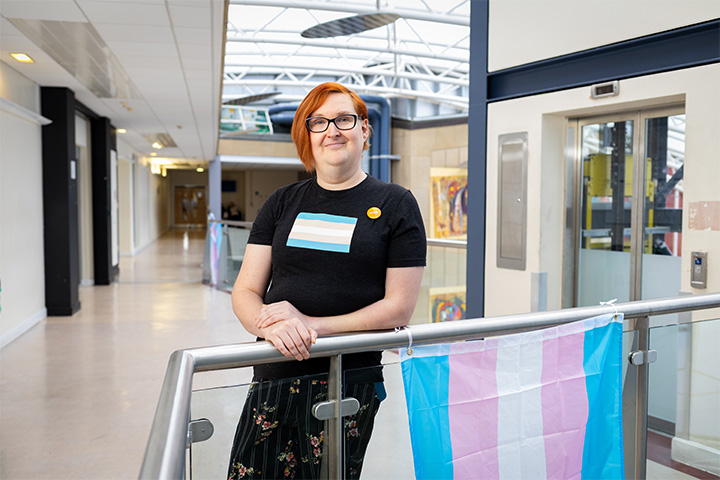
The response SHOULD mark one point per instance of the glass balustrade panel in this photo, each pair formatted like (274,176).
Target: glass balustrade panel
(684,400)
(442,293)
(237,238)
(389,451)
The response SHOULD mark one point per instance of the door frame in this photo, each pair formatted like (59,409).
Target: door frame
(575,171)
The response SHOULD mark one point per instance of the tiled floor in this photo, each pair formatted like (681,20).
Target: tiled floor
(78,394)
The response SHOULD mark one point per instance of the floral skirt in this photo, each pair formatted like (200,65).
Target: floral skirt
(277,436)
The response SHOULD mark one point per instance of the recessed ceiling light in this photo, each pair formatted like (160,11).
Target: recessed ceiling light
(157,145)
(200,169)
(120,130)
(153,154)
(22,57)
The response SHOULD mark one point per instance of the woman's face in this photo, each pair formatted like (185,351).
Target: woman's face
(335,148)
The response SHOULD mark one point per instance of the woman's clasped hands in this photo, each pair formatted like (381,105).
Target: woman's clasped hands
(287,329)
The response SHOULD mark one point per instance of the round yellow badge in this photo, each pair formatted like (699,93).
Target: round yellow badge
(374,213)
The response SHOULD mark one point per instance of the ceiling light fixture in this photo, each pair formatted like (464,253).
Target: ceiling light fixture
(350,25)
(157,145)
(22,57)
(120,130)
(199,169)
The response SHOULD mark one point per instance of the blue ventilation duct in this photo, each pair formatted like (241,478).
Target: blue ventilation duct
(380,149)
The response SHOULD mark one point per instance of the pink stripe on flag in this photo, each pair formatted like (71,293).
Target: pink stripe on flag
(565,404)
(473,412)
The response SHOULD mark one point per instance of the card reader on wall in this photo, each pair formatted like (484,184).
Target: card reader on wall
(698,270)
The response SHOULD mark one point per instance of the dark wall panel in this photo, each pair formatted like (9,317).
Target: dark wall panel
(62,268)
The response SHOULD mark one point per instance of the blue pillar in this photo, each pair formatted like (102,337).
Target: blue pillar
(477,158)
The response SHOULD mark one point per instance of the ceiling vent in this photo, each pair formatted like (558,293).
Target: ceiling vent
(163,139)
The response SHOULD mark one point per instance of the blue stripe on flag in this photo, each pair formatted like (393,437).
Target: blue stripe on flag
(427,392)
(602,361)
(328,247)
(327,218)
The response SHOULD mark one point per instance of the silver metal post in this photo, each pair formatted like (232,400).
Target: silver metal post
(643,336)
(629,407)
(334,427)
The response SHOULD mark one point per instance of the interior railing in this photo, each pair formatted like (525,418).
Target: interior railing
(444,276)
(165,456)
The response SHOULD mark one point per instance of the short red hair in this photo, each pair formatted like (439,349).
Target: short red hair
(313,101)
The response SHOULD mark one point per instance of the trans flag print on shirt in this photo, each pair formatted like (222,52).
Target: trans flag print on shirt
(320,231)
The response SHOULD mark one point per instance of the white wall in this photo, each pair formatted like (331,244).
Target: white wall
(83,164)
(126,233)
(524,31)
(22,260)
(543,117)
(260,184)
(151,206)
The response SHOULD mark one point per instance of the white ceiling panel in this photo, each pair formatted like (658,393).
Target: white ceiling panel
(126,13)
(203,64)
(194,3)
(193,36)
(177,115)
(193,51)
(183,16)
(145,34)
(159,63)
(8,29)
(57,10)
(148,78)
(138,49)
(160,2)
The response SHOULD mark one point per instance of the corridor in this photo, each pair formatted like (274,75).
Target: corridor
(78,394)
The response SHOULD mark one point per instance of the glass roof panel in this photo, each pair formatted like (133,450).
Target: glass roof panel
(422,59)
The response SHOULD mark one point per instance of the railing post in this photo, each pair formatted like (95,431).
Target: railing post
(635,400)
(643,336)
(334,426)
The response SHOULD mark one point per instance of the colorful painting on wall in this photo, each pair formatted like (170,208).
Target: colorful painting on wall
(449,202)
(447,304)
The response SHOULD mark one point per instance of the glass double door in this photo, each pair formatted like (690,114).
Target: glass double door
(627,229)
(628,206)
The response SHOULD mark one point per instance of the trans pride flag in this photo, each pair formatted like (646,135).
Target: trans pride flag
(542,404)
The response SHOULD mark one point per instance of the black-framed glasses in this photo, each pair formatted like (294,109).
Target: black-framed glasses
(342,122)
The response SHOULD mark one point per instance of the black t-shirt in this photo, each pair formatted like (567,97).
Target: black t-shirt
(331,250)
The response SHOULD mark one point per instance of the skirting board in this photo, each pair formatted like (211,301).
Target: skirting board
(696,455)
(15,332)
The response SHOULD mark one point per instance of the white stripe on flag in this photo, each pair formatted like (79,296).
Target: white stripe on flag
(325,232)
(521,446)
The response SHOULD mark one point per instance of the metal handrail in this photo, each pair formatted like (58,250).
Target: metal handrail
(165,453)
(446,242)
(431,242)
(232,223)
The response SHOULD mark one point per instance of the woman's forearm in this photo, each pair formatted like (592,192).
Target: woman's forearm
(246,305)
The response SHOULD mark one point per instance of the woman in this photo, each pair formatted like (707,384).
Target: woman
(340,252)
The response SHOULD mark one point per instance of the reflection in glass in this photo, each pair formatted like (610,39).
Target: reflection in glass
(665,147)
(683,396)
(607,170)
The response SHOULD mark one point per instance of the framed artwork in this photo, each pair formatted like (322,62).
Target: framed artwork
(447,304)
(449,203)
